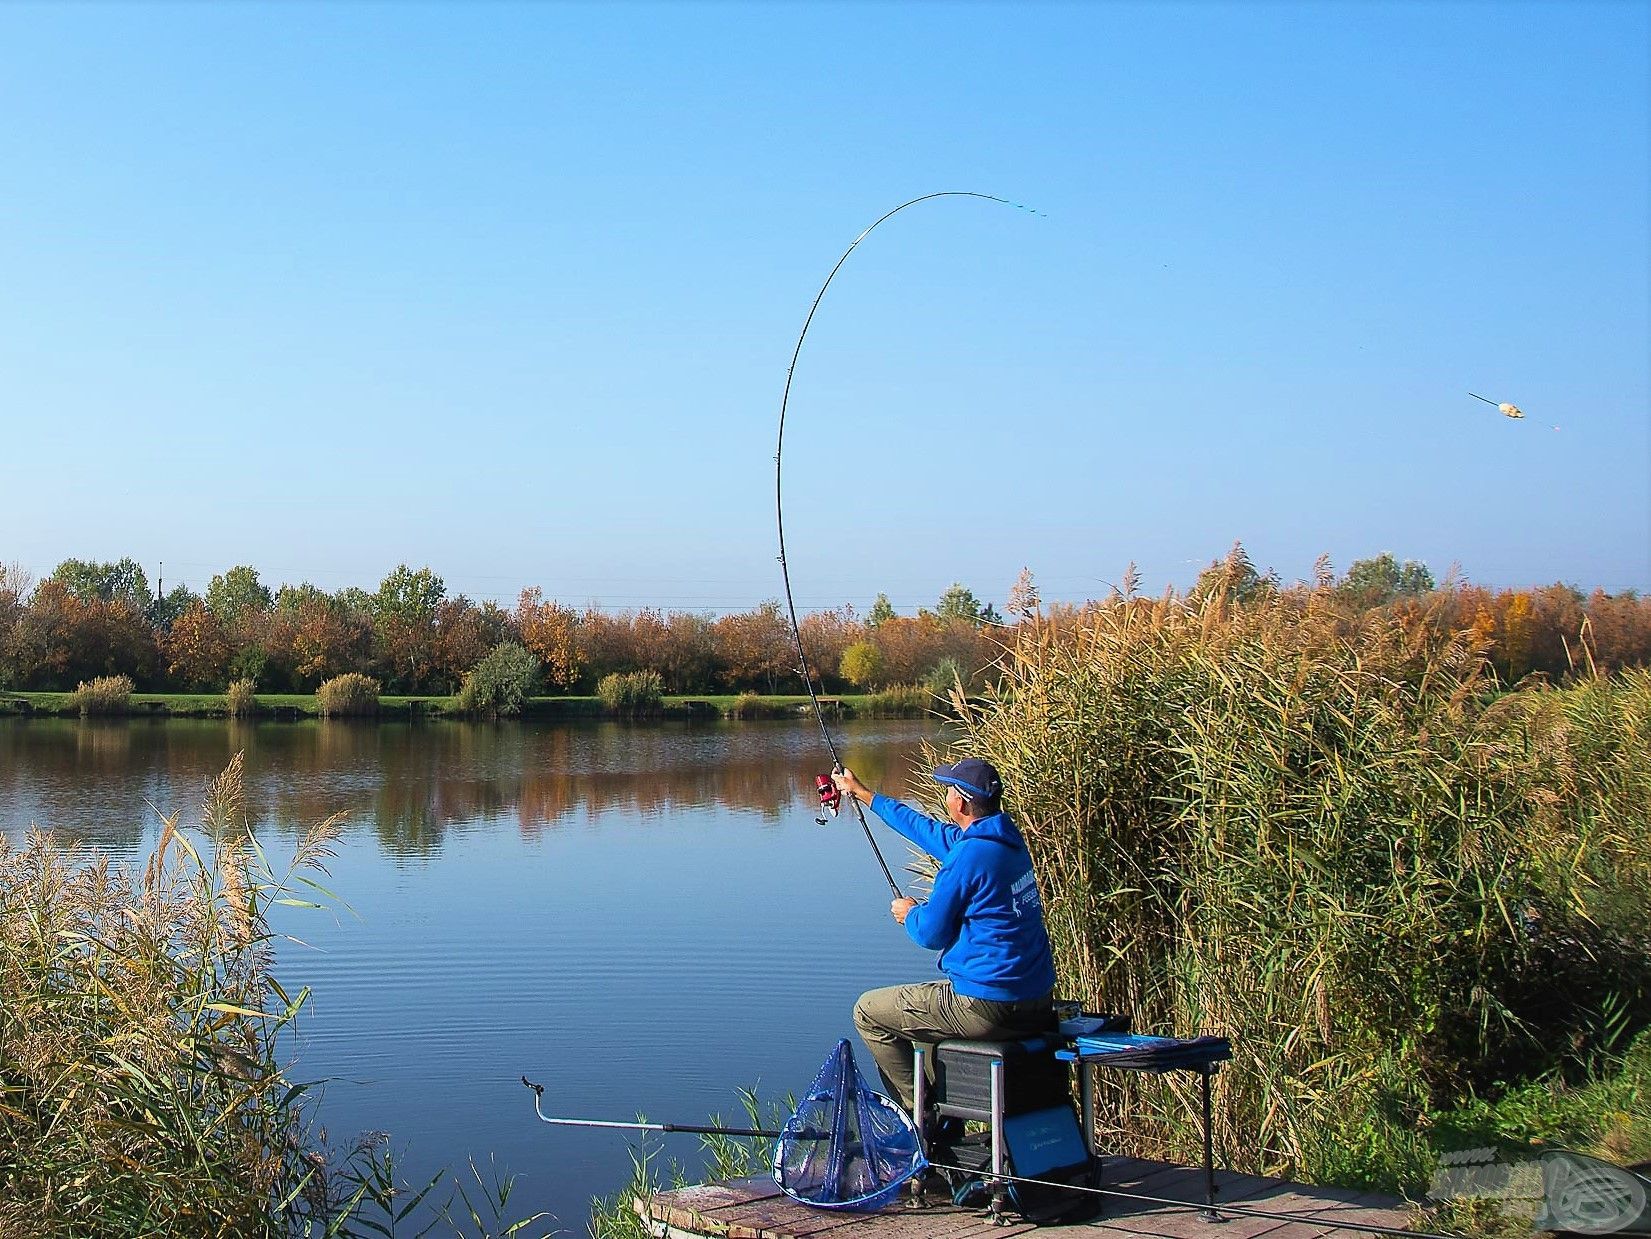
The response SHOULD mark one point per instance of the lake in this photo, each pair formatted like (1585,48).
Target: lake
(644,918)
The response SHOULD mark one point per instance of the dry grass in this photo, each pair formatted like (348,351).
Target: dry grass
(241,698)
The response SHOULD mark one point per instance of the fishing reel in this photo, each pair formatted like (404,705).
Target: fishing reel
(831,800)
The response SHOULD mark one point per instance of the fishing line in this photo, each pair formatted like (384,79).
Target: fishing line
(1220,1207)
(779,505)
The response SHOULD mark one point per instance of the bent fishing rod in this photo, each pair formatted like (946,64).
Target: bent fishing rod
(830,798)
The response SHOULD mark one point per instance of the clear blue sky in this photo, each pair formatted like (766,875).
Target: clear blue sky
(510,291)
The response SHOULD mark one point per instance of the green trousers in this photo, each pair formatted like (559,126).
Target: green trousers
(890,1020)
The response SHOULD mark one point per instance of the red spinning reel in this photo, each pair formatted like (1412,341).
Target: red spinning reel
(831,800)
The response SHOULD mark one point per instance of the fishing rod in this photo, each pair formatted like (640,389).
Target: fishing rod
(830,798)
(692,1128)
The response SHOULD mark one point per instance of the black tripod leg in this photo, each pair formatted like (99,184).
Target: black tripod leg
(1209,1214)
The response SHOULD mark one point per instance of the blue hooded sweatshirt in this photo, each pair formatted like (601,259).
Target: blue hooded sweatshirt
(984,915)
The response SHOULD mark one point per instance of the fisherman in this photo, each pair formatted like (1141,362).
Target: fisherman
(983,916)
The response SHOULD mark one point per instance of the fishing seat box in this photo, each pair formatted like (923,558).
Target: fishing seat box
(1032,1131)
(1033,1078)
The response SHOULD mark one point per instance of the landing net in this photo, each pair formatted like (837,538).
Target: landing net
(846,1147)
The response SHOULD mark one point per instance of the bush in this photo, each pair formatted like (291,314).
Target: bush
(349,695)
(241,699)
(747,705)
(945,678)
(632,694)
(109,694)
(500,684)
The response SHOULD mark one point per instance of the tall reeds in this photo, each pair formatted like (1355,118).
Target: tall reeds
(351,695)
(1330,839)
(107,694)
(142,1089)
(241,698)
(632,694)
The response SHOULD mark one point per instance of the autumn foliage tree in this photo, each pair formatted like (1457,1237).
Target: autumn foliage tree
(314,637)
(197,649)
(404,627)
(551,632)
(753,648)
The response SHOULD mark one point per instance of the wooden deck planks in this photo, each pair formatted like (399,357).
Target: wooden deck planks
(755,1209)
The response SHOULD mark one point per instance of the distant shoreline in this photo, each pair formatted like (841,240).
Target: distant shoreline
(298,706)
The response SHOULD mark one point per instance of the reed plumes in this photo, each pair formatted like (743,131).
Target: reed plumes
(1329,838)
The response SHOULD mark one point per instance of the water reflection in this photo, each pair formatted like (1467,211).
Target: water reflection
(413,784)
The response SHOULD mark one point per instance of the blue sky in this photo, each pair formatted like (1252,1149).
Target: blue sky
(510,291)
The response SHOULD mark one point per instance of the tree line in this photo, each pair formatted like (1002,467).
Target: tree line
(88,619)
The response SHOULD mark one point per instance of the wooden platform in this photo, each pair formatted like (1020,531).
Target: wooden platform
(755,1209)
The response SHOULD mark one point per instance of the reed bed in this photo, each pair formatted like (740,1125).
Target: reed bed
(899,701)
(632,694)
(1330,838)
(107,694)
(241,698)
(351,695)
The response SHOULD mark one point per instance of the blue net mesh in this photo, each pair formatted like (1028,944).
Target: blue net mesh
(846,1147)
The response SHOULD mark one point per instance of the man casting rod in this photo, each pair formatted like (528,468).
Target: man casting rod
(779,506)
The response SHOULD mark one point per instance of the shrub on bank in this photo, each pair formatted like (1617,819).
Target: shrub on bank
(945,679)
(109,694)
(500,684)
(349,695)
(632,694)
(241,699)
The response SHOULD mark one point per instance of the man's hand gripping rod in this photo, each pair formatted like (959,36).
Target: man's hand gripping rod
(831,799)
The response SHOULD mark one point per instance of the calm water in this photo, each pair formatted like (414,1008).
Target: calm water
(643,918)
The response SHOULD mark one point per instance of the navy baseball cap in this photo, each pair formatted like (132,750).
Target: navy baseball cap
(974,778)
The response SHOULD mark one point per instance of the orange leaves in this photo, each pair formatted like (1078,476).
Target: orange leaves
(550,630)
(197,649)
